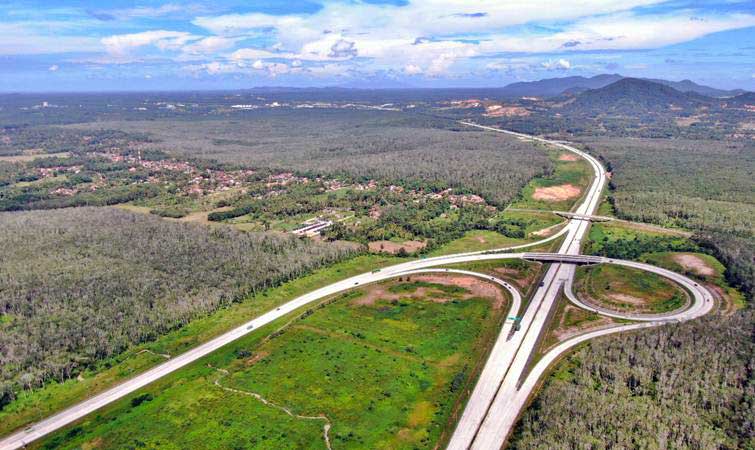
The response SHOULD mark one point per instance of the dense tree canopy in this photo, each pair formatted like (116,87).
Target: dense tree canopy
(78,285)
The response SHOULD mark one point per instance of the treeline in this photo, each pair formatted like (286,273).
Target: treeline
(678,386)
(82,284)
(737,255)
(15,139)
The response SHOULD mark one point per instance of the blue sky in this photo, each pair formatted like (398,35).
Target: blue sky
(155,45)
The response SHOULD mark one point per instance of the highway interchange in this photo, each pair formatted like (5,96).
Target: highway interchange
(505,385)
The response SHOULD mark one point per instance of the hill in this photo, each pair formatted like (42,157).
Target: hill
(551,87)
(635,96)
(691,86)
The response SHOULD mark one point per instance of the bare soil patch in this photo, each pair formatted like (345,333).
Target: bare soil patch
(475,286)
(395,247)
(557,193)
(255,358)
(568,157)
(624,298)
(694,263)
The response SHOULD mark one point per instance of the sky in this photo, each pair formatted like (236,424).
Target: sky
(106,45)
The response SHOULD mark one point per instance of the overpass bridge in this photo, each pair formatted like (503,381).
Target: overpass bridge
(562,258)
(588,217)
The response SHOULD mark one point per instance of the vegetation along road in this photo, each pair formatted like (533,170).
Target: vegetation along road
(504,386)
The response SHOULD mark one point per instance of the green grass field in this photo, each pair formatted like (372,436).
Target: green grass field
(381,373)
(479,240)
(34,405)
(627,289)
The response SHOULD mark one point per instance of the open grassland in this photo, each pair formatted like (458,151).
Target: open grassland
(32,405)
(558,190)
(626,289)
(385,366)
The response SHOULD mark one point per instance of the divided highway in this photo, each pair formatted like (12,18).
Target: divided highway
(503,387)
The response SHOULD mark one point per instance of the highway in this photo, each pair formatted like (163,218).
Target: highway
(497,398)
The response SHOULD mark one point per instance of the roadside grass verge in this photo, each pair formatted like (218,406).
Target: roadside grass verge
(386,374)
(31,406)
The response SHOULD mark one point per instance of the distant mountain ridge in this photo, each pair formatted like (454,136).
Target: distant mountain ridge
(635,96)
(552,87)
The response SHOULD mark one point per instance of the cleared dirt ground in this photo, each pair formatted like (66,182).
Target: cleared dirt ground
(557,193)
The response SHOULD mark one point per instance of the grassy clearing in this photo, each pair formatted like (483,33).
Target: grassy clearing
(33,156)
(536,226)
(568,321)
(477,240)
(627,289)
(388,374)
(31,406)
(699,266)
(629,241)
(575,173)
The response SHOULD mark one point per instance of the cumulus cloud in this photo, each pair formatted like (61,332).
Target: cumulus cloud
(53,68)
(559,64)
(435,38)
(209,45)
(121,44)
(412,69)
(342,49)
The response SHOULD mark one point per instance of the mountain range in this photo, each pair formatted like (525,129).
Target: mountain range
(552,87)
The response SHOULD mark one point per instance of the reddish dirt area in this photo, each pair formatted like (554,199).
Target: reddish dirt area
(255,358)
(505,111)
(395,247)
(568,157)
(475,287)
(695,264)
(557,193)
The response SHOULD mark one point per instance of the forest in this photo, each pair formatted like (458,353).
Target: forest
(360,144)
(79,285)
(678,386)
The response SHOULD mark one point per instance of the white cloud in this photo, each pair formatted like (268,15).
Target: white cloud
(559,64)
(412,69)
(209,45)
(53,68)
(122,44)
(394,37)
